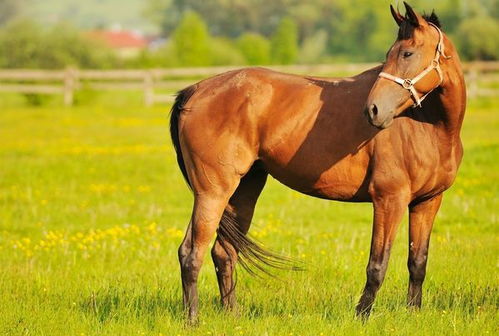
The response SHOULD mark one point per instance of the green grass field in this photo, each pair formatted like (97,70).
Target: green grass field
(93,207)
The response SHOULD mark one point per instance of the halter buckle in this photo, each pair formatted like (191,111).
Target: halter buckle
(407,84)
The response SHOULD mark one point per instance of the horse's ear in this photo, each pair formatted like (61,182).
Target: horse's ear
(396,16)
(411,15)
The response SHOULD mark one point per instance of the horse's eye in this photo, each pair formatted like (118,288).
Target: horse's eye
(407,54)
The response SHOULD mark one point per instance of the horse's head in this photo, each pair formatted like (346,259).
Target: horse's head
(412,68)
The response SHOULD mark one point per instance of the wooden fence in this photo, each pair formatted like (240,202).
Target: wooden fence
(481,77)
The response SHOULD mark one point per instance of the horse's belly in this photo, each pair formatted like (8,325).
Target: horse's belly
(344,180)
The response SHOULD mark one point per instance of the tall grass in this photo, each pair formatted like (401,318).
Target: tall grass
(93,207)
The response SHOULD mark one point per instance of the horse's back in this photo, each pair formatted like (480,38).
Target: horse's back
(242,102)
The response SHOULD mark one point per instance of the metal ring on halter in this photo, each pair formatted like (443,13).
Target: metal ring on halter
(434,63)
(407,84)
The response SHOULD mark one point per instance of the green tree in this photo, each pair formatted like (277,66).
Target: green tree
(285,42)
(255,48)
(477,38)
(353,24)
(192,41)
(225,18)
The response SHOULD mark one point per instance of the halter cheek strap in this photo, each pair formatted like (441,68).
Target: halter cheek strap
(408,84)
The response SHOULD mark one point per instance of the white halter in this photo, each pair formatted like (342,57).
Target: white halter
(408,84)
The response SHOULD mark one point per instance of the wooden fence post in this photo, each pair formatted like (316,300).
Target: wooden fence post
(148,88)
(69,86)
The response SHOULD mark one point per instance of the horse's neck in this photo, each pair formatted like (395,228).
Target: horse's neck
(452,97)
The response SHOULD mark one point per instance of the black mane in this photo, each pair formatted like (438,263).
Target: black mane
(432,18)
(406,29)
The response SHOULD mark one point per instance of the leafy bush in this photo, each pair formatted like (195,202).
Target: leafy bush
(224,52)
(24,44)
(35,99)
(255,48)
(164,57)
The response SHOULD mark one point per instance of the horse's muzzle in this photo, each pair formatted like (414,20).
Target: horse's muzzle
(375,119)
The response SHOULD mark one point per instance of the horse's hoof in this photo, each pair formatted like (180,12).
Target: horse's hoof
(363,313)
(233,310)
(192,320)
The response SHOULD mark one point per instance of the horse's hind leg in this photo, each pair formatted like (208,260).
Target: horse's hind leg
(421,217)
(241,207)
(212,187)
(204,221)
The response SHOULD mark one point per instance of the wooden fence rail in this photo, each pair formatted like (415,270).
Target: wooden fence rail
(481,78)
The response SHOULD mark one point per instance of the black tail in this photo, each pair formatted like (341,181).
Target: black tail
(252,256)
(177,108)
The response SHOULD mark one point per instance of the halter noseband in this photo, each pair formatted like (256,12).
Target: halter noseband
(408,84)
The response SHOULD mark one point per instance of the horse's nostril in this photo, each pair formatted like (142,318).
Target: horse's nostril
(374,110)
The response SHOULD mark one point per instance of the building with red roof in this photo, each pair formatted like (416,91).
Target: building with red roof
(127,44)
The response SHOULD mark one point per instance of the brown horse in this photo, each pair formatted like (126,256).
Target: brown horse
(327,138)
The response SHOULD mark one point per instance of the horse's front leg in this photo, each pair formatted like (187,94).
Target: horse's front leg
(421,217)
(388,212)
